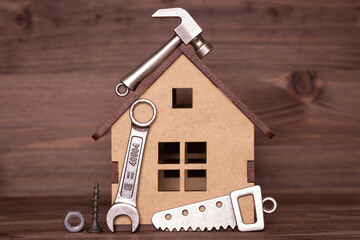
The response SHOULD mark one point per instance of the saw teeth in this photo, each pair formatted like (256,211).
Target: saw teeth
(225,226)
(188,228)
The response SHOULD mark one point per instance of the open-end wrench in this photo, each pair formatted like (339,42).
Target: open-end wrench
(125,201)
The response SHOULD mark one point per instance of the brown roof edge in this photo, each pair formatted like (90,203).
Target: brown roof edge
(209,74)
(139,91)
(205,70)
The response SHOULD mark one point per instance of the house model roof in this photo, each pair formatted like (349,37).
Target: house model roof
(156,74)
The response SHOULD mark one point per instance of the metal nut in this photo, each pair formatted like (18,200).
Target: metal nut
(79,227)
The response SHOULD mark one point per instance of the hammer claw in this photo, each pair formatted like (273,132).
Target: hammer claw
(188,28)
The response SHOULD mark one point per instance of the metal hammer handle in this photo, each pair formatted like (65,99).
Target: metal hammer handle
(187,32)
(132,79)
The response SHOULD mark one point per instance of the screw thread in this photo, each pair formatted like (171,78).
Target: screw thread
(95,226)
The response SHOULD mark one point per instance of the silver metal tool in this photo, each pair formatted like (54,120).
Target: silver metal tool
(77,228)
(187,32)
(125,201)
(214,213)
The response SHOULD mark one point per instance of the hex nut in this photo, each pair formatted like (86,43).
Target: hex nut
(79,227)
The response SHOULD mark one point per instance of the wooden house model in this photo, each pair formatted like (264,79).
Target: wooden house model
(200,146)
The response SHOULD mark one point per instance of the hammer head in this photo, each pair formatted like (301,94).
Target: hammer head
(188,30)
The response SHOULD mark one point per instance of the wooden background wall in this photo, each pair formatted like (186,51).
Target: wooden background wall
(295,63)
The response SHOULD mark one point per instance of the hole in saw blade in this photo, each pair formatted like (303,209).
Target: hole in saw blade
(219,204)
(168,216)
(202,208)
(185,212)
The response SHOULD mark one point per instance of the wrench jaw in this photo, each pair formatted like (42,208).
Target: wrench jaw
(123,209)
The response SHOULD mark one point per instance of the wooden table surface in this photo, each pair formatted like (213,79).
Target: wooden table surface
(296,64)
(42,218)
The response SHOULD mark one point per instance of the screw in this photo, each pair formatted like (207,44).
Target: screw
(95,228)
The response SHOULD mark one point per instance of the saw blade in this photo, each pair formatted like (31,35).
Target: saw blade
(205,215)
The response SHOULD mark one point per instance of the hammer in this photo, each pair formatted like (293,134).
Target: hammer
(187,32)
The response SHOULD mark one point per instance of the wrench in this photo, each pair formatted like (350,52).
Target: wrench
(125,201)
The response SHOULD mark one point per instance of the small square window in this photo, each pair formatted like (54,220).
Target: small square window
(169,180)
(169,152)
(195,152)
(182,97)
(195,180)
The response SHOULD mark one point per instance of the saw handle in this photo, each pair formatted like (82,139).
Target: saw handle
(259,209)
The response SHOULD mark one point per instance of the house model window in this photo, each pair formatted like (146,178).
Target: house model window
(169,152)
(195,152)
(182,97)
(194,179)
(169,180)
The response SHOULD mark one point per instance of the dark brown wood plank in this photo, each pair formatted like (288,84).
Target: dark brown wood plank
(114,172)
(42,218)
(250,171)
(60,62)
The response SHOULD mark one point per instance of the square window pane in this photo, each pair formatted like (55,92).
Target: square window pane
(195,180)
(169,152)
(182,98)
(195,152)
(169,180)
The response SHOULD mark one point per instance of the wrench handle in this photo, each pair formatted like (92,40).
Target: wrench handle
(131,169)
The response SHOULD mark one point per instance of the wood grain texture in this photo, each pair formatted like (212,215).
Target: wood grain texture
(36,218)
(295,64)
